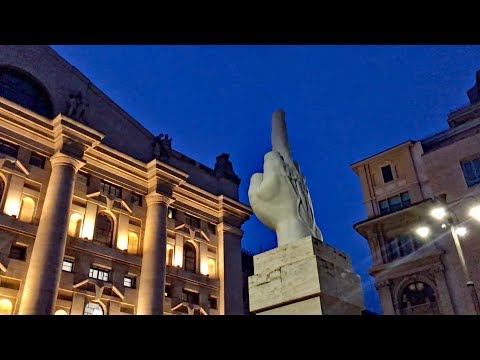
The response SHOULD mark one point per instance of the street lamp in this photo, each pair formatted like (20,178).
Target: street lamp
(440,213)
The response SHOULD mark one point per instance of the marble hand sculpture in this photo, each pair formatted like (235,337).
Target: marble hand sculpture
(279,197)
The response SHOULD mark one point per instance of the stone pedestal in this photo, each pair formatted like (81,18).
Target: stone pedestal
(304,277)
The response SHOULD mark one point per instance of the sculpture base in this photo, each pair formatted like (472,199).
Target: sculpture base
(304,277)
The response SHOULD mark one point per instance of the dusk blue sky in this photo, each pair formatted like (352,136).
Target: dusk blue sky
(342,103)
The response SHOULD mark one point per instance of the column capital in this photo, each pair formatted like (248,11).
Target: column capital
(155,198)
(61,159)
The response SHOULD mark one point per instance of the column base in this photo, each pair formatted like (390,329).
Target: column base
(305,277)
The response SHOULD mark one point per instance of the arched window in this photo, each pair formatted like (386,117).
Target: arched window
(418,298)
(189,257)
(211,268)
(61,312)
(93,309)
(24,90)
(27,210)
(6,307)
(103,229)
(75,225)
(132,243)
(169,255)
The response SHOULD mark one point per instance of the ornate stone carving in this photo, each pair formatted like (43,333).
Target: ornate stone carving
(162,147)
(77,107)
(280,197)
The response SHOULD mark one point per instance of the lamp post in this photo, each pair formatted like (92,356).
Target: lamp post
(470,283)
(440,213)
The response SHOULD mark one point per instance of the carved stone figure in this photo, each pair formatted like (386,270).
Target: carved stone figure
(162,147)
(77,107)
(279,197)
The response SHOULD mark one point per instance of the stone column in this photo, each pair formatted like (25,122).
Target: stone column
(444,302)
(151,290)
(44,270)
(385,294)
(230,269)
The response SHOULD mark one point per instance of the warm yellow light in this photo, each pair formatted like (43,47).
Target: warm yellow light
(88,228)
(204,267)
(75,225)
(6,307)
(461,231)
(178,258)
(475,212)
(423,231)
(438,213)
(60,312)
(12,206)
(212,268)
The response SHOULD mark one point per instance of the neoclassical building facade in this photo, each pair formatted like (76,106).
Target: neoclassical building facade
(99,216)
(419,197)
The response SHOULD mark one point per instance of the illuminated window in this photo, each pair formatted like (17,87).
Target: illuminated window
(109,189)
(37,160)
(169,255)
(8,148)
(18,252)
(67,265)
(213,302)
(189,257)
(23,89)
(136,199)
(27,209)
(103,229)
(129,281)
(75,225)
(190,296)
(171,213)
(168,290)
(100,274)
(61,312)
(6,307)
(132,243)
(211,268)
(93,309)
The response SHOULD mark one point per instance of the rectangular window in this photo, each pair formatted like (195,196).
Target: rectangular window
(471,171)
(387,174)
(190,296)
(83,178)
(168,290)
(129,281)
(67,265)
(192,221)
(392,250)
(18,252)
(8,148)
(136,199)
(212,228)
(394,203)
(37,160)
(212,302)
(100,274)
(172,213)
(109,189)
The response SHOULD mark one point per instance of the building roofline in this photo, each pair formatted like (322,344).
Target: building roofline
(409,142)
